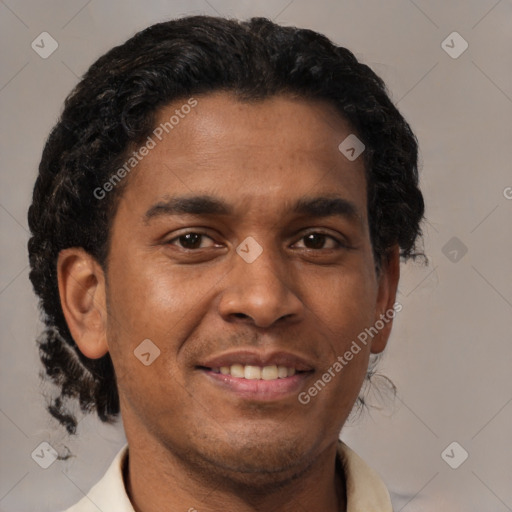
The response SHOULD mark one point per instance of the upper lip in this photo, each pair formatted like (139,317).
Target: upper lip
(255,358)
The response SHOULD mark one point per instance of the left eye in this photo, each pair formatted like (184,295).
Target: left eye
(317,240)
(190,240)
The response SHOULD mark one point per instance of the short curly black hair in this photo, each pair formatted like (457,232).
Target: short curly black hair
(114,107)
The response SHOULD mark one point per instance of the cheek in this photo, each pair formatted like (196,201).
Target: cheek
(344,304)
(344,309)
(147,323)
(153,301)
(149,297)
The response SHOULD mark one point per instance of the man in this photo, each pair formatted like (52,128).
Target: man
(216,234)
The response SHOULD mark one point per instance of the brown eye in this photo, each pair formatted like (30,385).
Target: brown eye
(318,240)
(191,240)
(315,241)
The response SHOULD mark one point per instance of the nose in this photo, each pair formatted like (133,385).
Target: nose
(260,292)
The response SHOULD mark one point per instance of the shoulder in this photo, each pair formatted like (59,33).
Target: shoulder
(109,493)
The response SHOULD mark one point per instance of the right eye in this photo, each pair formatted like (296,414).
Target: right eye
(190,240)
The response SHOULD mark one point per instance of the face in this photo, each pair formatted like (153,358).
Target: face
(251,292)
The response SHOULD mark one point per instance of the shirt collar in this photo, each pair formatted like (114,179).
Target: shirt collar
(366,491)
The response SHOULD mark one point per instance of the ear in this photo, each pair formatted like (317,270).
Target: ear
(385,310)
(83,300)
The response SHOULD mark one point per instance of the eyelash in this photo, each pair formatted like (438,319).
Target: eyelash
(339,243)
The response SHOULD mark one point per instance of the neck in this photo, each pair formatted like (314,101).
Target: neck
(157,479)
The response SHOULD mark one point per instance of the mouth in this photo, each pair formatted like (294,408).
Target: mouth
(251,372)
(257,377)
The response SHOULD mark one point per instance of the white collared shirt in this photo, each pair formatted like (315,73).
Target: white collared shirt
(366,491)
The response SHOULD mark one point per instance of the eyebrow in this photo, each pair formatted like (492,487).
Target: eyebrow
(319,207)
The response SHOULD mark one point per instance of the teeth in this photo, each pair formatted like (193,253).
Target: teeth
(251,372)
(237,370)
(282,372)
(270,372)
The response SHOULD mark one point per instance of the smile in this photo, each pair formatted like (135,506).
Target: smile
(256,375)
(252,372)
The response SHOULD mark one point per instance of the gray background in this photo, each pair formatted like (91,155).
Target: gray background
(450,352)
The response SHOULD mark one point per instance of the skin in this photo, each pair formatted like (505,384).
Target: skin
(191,443)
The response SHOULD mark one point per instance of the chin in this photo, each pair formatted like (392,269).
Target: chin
(260,468)
(260,457)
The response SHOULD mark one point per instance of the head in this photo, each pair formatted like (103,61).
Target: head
(172,151)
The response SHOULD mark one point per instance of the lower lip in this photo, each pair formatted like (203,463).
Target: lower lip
(259,389)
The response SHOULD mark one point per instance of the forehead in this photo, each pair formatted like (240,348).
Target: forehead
(259,154)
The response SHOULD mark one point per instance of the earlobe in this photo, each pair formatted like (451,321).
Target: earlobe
(386,299)
(83,299)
